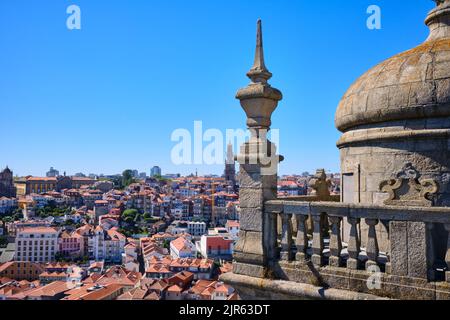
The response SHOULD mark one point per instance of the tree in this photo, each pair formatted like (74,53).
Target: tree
(8,219)
(166,244)
(127,178)
(118,182)
(147,216)
(129,219)
(130,213)
(17,216)
(3,241)
(69,222)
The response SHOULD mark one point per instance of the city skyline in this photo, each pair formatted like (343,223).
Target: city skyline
(107,97)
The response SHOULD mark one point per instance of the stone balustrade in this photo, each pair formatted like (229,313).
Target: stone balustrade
(411,248)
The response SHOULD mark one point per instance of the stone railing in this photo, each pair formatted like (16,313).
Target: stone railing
(411,250)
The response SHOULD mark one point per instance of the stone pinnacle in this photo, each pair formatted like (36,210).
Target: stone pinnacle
(259,72)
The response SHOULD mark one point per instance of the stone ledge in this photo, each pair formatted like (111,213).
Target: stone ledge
(392,286)
(250,288)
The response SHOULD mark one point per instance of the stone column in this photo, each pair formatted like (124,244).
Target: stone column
(286,237)
(258,172)
(372,249)
(317,257)
(354,244)
(335,242)
(302,238)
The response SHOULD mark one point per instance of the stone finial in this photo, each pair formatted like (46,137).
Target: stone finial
(321,185)
(439,2)
(259,72)
(259,100)
(438,20)
(408,189)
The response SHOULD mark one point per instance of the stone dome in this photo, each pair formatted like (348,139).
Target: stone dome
(411,85)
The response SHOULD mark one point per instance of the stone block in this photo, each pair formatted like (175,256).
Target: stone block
(248,270)
(251,219)
(378,99)
(369,264)
(443,88)
(335,279)
(442,70)
(286,255)
(335,261)
(256,180)
(317,260)
(353,264)
(399,247)
(399,96)
(358,281)
(249,258)
(241,241)
(301,257)
(417,250)
(251,198)
(253,243)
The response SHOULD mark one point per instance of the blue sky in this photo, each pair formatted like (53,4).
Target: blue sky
(107,97)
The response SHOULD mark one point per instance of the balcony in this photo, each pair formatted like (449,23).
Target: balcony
(306,257)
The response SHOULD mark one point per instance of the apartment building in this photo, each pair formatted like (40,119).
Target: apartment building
(38,244)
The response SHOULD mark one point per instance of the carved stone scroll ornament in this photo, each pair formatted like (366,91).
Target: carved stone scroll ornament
(408,189)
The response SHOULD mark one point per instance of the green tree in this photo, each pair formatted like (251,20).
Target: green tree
(147,216)
(127,178)
(130,213)
(128,219)
(3,241)
(69,222)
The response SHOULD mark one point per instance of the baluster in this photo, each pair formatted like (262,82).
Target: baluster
(447,255)
(354,244)
(286,237)
(335,242)
(317,244)
(372,249)
(302,237)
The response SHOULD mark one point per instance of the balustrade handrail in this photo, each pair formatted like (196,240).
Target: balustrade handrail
(385,212)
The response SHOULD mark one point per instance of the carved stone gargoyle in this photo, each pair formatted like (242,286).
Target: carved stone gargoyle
(321,185)
(408,189)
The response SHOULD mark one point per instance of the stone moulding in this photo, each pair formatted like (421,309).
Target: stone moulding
(408,190)
(378,135)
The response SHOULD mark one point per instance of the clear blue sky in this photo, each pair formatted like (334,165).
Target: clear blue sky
(107,97)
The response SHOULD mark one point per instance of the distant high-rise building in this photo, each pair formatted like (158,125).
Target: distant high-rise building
(7,188)
(52,173)
(230,166)
(142,175)
(155,171)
